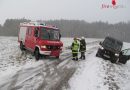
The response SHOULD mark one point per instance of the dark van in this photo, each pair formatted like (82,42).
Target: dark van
(111,49)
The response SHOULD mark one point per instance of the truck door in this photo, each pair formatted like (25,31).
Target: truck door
(124,56)
(28,38)
(35,35)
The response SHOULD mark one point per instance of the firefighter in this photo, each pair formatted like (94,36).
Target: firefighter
(82,48)
(75,48)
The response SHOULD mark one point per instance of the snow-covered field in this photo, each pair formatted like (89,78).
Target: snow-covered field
(20,71)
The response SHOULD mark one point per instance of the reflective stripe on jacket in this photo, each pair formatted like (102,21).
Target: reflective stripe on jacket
(75,47)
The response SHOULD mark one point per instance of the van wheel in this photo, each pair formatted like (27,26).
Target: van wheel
(124,62)
(97,55)
(113,60)
(37,54)
(22,46)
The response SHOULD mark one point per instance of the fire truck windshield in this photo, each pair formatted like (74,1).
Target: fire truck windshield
(50,34)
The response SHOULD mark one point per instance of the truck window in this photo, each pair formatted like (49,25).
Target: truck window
(50,34)
(29,31)
(54,35)
(45,34)
(36,32)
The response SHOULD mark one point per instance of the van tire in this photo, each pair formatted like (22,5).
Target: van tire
(124,62)
(37,54)
(113,60)
(22,46)
(97,55)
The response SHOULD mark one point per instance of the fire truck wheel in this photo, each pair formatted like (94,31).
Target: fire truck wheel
(57,57)
(37,54)
(22,46)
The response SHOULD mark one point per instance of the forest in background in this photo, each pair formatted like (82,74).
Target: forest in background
(71,28)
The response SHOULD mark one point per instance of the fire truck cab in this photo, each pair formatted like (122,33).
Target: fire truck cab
(40,39)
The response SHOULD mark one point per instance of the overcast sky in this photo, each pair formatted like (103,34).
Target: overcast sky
(88,10)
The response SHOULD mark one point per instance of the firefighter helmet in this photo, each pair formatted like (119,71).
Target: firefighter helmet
(75,38)
(82,38)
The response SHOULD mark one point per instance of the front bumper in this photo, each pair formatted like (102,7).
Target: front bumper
(51,53)
(45,52)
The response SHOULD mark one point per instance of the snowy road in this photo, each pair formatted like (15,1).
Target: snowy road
(20,71)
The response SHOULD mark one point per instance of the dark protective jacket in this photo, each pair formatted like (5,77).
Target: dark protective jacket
(82,45)
(75,46)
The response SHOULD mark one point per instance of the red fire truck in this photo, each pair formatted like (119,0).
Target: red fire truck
(40,39)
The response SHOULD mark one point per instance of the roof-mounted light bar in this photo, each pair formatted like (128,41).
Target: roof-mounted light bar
(37,23)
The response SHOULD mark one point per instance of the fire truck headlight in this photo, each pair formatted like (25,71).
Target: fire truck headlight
(43,46)
(61,47)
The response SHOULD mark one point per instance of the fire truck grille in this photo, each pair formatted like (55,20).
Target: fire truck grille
(49,47)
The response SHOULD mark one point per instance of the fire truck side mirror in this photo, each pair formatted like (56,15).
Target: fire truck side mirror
(59,36)
(36,35)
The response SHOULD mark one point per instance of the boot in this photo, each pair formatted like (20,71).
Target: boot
(83,57)
(76,58)
(80,58)
(73,58)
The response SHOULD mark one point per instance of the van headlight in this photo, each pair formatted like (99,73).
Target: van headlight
(43,46)
(116,54)
(101,47)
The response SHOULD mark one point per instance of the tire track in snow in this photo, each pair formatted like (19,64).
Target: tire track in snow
(59,69)
(56,72)
(110,80)
(114,75)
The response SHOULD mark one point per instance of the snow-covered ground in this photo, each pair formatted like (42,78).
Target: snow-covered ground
(97,74)
(20,71)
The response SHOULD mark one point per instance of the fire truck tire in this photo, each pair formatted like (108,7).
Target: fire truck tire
(37,54)
(57,57)
(22,46)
